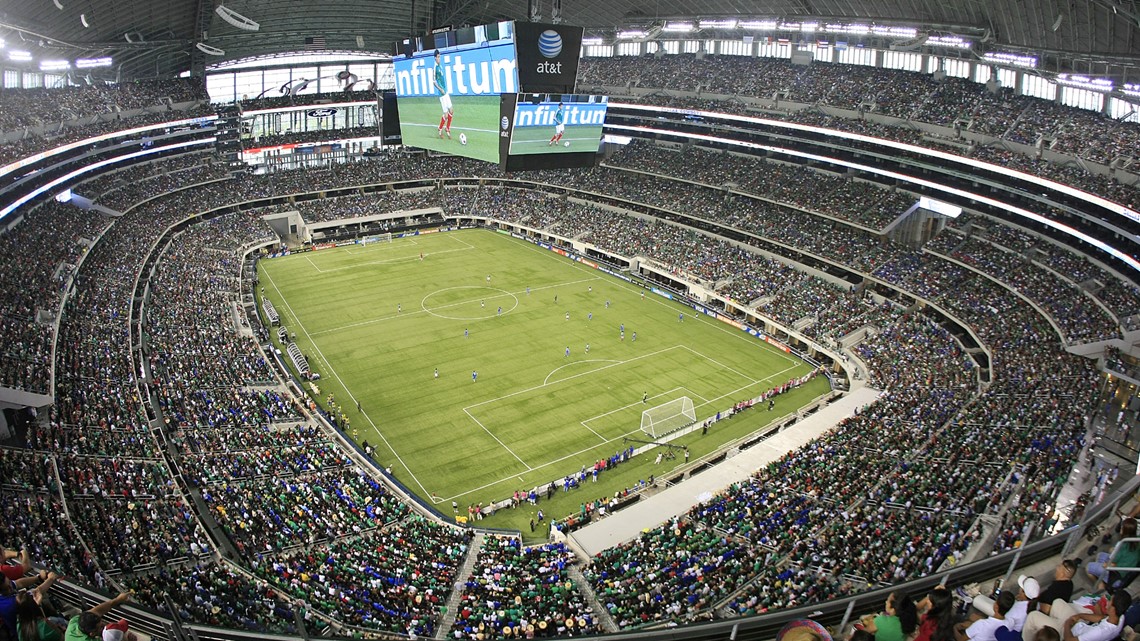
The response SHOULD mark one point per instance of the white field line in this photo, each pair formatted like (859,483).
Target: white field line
(509,450)
(449,306)
(297,321)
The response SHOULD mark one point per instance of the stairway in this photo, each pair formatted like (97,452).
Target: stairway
(607,621)
(448,618)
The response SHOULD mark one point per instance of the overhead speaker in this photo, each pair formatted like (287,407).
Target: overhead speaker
(236,19)
(1057,23)
(208,50)
(57,4)
(83,19)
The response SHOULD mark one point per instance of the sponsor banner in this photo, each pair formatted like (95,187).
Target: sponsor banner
(421,232)
(325,112)
(588,262)
(487,70)
(778,344)
(518,235)
(321,246)
(560,252)
(344,243)
(725,319)
(543,245)
(661,292)
(507,104)
(547,56)
(504,232)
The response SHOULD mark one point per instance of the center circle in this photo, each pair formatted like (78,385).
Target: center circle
(464,297)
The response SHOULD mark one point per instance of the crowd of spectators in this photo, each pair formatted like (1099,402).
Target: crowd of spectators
(37,266)
(215,595)
(31,143)
(517,592)
(334,536)
(394,580)
(915,96)
(33,107)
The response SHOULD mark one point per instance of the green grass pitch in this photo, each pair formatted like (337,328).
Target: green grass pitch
(475,116)
(377,321)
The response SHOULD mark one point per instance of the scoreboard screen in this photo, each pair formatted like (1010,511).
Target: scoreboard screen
(450,84)
(557,123)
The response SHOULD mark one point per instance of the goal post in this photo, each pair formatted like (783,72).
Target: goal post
(668,417)
(386,237)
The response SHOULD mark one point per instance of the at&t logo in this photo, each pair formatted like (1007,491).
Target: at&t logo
(550,46)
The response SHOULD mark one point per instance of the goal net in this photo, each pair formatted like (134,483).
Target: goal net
(668,417)
(377,238)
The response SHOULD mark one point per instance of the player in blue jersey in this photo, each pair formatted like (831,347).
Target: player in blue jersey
(559,126)
(444,99)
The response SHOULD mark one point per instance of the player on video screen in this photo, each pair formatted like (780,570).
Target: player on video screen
(444,99)
(559,125)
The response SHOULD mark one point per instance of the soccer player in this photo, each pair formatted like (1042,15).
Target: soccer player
(587,348)
(567,315)
(528,290)
(500,312)
(607,303)
(482,303)
(465,334)
(681,317)
(622,328)
(474,375)
(559,126)
(567,352)
(444,99)
(590,316)
(645,397)
(635,337)
(437,372)
(399,308)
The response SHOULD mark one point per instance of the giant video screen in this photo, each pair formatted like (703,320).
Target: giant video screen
(557,123)
(448,87)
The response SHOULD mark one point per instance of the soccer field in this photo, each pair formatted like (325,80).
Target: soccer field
(377,322)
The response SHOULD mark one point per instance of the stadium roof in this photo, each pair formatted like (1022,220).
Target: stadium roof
(159,37)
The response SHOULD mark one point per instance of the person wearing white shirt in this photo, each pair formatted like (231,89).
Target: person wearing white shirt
(1078,624)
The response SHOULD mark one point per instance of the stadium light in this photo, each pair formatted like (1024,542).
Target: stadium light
(54,65)
(809,27)
(1084,82)
(631,34)
(592,42)
(1012,59)
(760,25)
(887,30)
(717,24)
(1131,89)
(678,27)
(19,56)
(91,63)
(949,41)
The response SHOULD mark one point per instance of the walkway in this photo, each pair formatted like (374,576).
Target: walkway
(628,523)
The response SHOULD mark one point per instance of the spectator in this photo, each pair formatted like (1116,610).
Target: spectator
(937,621)
(1080,624)
(1126,555)
(898,621)
(1061,587)
(984,629)
(89,625)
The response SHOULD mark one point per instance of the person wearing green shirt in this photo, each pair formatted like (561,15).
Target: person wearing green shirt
(898,621)
(89,625)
